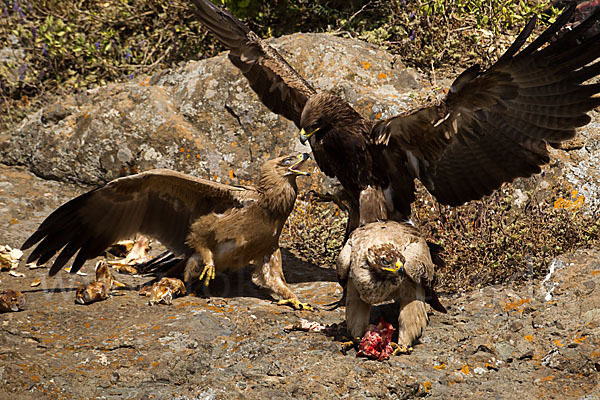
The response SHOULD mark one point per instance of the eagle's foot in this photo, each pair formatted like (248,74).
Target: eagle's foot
(208,273)
(400,349)
(295,304)
(327,198)
(349,345)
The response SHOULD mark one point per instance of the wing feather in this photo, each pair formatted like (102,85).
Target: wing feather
(493,126)
(278,85)
(158,203)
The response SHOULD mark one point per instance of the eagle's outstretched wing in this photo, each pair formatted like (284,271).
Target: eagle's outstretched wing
(494,125)
(278,85)
(158,203)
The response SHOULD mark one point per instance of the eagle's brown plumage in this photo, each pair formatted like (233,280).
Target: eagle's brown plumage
(492,127)
(388,261)
(213,226)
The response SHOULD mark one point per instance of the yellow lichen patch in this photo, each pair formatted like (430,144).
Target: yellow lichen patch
(547,378)
(575,202)
(366,65)
(558,343)
(234,144)
(381,75)
(529,338)
(378,116)
(427,386)
(596,272)
(465,369)
(231,174)
(515,305)
(187,156)
(440,367)
(580,340)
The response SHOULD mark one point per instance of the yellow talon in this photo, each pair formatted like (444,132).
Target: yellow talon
(295,304)
(400,349)
(349,344)
(208,273)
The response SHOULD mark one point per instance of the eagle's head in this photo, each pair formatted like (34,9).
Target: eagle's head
(284,167)
(324,112)
(385,261)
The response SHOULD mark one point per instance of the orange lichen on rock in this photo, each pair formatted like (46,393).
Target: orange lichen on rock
(575,202)
(465,369)
(515,305)
(580,339)
(366,65)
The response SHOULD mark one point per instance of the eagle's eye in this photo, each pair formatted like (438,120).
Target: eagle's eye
(287,161)
(385,262)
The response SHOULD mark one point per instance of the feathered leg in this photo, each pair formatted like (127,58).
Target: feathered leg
(413,318)
(268,274)
(357,316)
(357,312)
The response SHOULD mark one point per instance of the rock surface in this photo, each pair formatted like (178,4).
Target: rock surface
(493,343)
(202,118)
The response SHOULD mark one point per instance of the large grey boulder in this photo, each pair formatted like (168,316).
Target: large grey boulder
(202,118)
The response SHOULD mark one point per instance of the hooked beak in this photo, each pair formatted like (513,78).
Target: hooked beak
(304,137)
(397,268)
(294,168)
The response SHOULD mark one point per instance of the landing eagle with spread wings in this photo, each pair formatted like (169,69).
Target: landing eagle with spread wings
(492,127)
(214,227)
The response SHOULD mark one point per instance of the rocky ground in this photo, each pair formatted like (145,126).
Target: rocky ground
(494,343)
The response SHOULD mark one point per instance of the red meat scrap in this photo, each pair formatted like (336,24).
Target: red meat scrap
(375,343)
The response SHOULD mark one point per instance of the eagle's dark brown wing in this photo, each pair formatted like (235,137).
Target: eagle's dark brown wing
(158,203)
(493,125)
(278,85)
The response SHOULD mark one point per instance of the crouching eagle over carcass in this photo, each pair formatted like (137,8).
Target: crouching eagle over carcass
(384,261)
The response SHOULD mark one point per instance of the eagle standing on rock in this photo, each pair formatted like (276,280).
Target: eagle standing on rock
(215,227)
(492,127)
(384,261)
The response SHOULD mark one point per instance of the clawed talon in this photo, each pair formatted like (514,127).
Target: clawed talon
(118,284)
(295,304)
(400,349)
(208,273)
(327,198)
(349,345)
